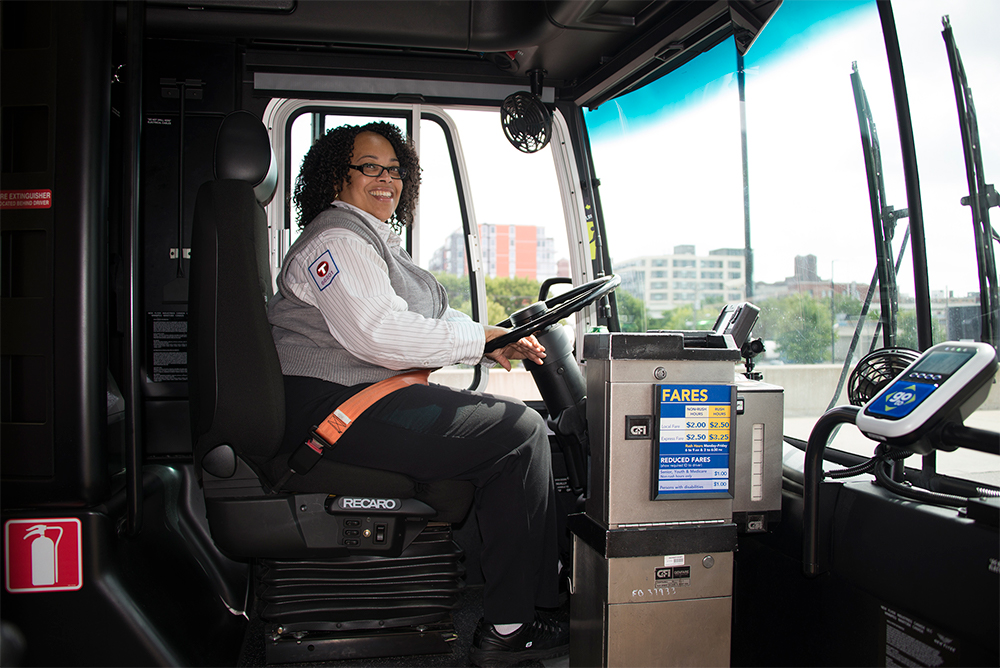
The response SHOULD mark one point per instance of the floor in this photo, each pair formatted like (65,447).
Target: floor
(465,619)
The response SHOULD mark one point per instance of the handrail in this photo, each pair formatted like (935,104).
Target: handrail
(130,230)
(813,476)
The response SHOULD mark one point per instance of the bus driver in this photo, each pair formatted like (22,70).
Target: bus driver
(354,309)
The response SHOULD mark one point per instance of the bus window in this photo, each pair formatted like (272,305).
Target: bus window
(801,243)
(520,224)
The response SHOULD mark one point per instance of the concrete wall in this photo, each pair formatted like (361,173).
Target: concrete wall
(808,387)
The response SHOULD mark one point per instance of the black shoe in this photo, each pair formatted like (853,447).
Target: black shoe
(542,639)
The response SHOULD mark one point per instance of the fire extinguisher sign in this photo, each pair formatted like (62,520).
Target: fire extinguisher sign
(43,555)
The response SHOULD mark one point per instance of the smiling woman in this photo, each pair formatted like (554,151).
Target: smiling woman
(375,190)
(327,175)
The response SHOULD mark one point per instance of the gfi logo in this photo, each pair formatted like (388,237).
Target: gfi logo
(638,427)
(360,503)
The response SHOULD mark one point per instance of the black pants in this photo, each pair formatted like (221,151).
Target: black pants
(433,432)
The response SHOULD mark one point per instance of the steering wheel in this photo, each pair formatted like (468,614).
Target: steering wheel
(540,315)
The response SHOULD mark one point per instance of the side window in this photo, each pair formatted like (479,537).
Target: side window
(518,213)
(439,188)
(489,225)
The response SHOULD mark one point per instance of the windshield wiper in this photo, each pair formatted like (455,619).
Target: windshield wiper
(981,194)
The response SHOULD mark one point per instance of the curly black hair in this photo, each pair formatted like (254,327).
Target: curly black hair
(325,168)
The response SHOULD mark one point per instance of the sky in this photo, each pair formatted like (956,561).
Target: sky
(808,193)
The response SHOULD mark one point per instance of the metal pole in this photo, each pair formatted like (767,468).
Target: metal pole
(833,319)
(132,344)
(748,249)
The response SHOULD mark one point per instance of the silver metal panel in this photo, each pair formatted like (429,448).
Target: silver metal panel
(598,410)
(588,606)
(633,579)
(673,371)
(378,85)
(675,633)
(757,484)
(628,478)
(679,624)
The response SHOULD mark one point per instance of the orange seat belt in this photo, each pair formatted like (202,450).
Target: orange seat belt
(337,422)
(343,416)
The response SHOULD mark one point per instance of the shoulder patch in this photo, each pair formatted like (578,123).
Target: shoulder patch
(323,270)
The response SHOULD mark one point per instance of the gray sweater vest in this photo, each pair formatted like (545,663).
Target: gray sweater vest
(304,343)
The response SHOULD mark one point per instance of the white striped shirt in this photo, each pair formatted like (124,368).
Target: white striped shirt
(366,316)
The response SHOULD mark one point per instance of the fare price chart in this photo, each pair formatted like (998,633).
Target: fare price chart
(694,434)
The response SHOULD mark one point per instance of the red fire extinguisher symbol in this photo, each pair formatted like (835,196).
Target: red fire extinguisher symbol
(43,555)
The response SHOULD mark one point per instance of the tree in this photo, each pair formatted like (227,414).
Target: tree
(684,317)
(906,330)
(631,312)
(800,325)
(457,288)
(512,294)
(850,306)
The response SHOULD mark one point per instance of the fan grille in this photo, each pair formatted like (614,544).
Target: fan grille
(526,122)
(875,371)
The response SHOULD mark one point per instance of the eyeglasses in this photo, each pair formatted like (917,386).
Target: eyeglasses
(373,170)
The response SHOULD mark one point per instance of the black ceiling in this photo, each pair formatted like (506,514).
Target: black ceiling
(590,50)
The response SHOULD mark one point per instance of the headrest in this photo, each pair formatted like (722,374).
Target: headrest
(243,152)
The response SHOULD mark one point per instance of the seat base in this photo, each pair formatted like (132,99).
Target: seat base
(362,606)
(423,639)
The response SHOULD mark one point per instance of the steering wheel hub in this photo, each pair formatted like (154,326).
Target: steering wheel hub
(528,313)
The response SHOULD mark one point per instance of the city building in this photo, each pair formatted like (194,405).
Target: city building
(806,279)
(664,282)
(508,251)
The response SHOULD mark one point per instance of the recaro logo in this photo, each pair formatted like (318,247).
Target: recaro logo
(360,503)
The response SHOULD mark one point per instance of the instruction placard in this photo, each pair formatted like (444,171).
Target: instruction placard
(166,346)
(25,199)
(695,428)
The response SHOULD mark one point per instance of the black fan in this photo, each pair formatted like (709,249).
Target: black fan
(526,120)
(875,371)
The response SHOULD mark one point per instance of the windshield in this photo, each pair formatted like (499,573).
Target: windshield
(694,220)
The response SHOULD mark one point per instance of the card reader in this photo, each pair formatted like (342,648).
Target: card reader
(933,388)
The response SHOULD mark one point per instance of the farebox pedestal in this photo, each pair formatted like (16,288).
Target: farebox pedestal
(652,572)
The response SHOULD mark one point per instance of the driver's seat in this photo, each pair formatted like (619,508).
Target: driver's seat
(331,572)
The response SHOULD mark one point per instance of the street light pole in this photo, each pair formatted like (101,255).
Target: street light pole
(833,318)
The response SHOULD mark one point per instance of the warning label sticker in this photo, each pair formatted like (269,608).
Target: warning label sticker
(43,555)
(166,342)
(25,199)
(908,641)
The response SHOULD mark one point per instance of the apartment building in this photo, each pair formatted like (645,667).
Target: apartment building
(664,282)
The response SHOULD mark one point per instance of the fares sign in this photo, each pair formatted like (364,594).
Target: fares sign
(695,429)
